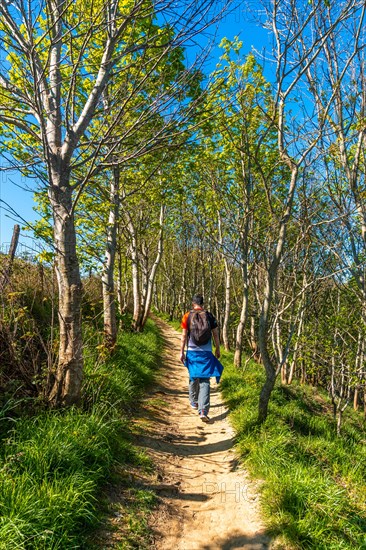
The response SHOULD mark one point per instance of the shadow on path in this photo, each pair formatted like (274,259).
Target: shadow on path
(175,444)
(256,542)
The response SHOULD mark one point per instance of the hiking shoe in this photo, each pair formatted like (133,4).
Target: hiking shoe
(205,418)
(194,406)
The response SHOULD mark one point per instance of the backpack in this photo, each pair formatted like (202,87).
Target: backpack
(199,327)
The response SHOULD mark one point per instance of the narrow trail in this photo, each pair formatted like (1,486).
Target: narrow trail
(207,500)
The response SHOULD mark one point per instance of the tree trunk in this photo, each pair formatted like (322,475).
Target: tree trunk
(68,377)
(136,289)
(240,331)
(269,383)
(296,347)
(173,305)
(253,339)
(123,285)
(109,298)
(217,311)
(183,290)
(265,395)
(211,279)
(277,347)
(359,369)
(242,322)
(152,274)
(225,325)
(284,374)
(267,300)
(119,282)
(339,421)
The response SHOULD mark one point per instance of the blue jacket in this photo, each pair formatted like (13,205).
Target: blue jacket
(203,364)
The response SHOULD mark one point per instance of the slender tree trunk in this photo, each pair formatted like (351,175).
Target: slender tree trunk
(152,274)
(119,281)
(284,374)
(339,421)
(277,347)
(183,290)
(225,325)
(109,297)
(203,273)
(217,311)
(211,280)
(68,377)
(356,398)
(123,287)
(195,274)
(270,368)
(253,338)
(240,328)
(173,305)
(360,356)
(155,298)
(136,288)
(244,244)
(243,316)
(297,343)
(263,344)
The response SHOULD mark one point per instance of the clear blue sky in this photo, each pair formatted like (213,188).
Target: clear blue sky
(238,22)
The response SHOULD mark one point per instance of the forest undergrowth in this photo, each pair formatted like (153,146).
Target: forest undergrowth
(55,464)
(314,482)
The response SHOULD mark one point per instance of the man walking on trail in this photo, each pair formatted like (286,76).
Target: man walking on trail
(199,326)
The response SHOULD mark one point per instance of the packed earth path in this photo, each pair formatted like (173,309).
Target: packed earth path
(207,501)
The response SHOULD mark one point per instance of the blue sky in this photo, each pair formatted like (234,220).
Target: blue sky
(20,201)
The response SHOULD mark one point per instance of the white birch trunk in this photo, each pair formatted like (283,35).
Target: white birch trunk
(225,325)
(109,297)
(136,289)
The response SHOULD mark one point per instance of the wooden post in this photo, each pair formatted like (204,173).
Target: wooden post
(9,265)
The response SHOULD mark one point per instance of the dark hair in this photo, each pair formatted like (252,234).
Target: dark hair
(197,299)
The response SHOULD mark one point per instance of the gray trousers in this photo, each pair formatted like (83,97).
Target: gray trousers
(199,392)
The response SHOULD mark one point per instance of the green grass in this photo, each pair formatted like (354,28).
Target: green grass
(174,323)
(314,483)
(135,509)
(54,464)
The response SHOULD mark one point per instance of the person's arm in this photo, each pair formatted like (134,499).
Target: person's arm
(183,345)
(215,334)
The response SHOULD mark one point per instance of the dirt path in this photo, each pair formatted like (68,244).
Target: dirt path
(208,502)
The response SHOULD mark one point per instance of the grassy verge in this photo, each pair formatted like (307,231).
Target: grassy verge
(54,464)
(314,483)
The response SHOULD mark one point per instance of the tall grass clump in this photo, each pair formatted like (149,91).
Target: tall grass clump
(314,482)
(53,464)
